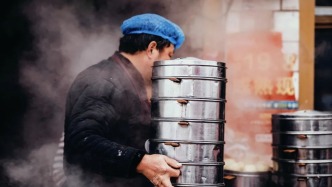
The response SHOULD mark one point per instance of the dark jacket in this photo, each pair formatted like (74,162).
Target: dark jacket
(106,125)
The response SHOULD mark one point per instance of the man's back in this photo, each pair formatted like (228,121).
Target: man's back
(107,99)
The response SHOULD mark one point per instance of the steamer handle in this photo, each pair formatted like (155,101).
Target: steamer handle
(302,136)
(289,150)
(173,144)
(174,79)
(183,123)
(229,177)
(302,164)
(182,101)
(302,179)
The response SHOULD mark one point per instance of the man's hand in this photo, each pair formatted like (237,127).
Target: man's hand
(159,169)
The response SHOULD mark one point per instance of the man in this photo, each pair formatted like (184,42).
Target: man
(108,111)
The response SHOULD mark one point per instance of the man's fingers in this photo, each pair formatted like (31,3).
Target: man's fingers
(173,163)
(165,181)
(161,181)
(174,172)
(161,170)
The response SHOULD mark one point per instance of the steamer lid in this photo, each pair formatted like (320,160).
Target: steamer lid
(188,61)
(303,114)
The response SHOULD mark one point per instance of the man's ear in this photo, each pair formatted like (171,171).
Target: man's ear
(151,48)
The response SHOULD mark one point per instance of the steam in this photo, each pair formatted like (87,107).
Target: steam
(33,170)
(68,38)
(247,132)
(64,46)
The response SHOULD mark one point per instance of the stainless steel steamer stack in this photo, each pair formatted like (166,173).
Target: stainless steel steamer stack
(302,149)
(188,116)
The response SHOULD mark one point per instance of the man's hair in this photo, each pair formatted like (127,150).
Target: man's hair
(133,43)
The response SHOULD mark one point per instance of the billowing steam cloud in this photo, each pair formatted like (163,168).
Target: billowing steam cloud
(63,46)
(69,36)
(34,169)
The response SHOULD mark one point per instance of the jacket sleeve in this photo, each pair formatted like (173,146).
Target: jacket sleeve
(92,112)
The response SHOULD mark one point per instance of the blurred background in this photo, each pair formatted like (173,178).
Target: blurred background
(45,44)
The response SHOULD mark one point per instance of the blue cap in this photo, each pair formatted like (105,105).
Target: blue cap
(155,25)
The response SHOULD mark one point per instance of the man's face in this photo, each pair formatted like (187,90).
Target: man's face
(166,54)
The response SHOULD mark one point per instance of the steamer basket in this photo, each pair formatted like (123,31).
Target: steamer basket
(200,174)
(188,112)
(285,125)
(302,149)
(189,151)
(303,138)
(189,68)
(303,167)
(285,180)
(183,129)
(304,120)
(189,87)
(302,153)
(246,179)
(189,108)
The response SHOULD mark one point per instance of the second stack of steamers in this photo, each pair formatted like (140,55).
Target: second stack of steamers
(302,149)
(188,116)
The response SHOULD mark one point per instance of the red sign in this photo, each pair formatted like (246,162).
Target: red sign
(260,82)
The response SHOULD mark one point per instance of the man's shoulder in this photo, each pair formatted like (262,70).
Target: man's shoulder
(103,69)
(105,64)
(106,72)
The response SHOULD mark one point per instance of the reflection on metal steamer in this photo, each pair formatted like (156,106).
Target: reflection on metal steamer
(188,117)
(302,149)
